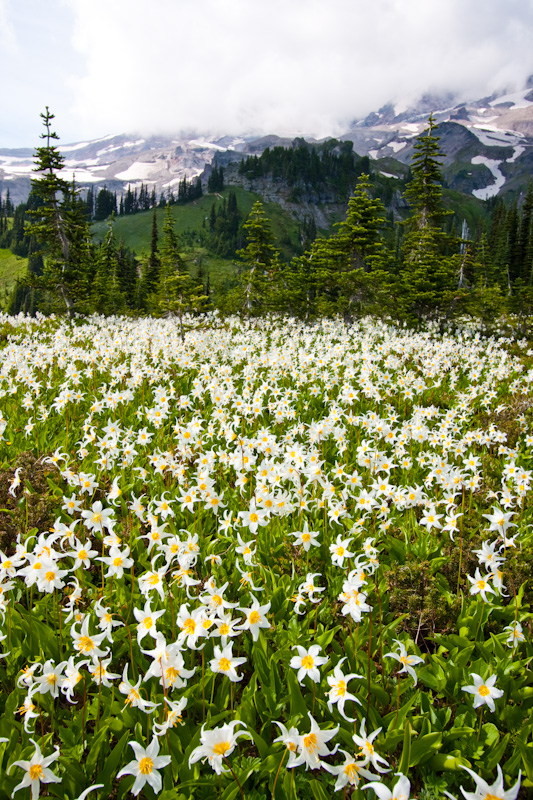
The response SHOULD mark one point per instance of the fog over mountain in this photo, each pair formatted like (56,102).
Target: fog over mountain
(308,67)
(488,146)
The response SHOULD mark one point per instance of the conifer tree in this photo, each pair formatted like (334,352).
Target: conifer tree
(427,276)
(345,272)
(177,294)
(151,266)
(60,225)
(262,267)
(107,297)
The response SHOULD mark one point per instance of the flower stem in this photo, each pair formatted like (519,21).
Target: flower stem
(236,778)
(277,773)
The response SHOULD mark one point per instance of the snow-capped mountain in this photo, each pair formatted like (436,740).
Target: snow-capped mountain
(488,145)
(119,161)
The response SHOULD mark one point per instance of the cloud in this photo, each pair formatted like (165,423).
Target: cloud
(35,58)
(8,39)
(287,65)
(284,66)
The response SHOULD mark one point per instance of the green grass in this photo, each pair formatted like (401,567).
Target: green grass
(11,268)
(136,229)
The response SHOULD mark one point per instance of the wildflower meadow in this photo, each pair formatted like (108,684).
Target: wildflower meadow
(267,559)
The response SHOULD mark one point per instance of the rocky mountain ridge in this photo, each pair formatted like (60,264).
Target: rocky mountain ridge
(488,146)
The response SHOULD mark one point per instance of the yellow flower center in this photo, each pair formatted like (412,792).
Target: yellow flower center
(352,771)
(255,617)
(35,772)
(484,690)
(82,554)
(85,644)
(310,742)
(133,695)
(224,664)
(221,748)
(341,688)
(50,576)
(307,662)
(253,517)
(189,626)
(217,600)
(171,674)
(148,623)
(117,562)
(146,765)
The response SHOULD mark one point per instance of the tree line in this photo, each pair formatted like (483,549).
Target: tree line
(424,270)
(418,270)
(331,167)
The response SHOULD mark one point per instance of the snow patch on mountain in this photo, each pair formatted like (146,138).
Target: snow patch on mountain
(494,188)
(397,146)
(79,175)
(491,136)
(138,171)
(202,143)
(69,148)
(515,99)
(517,153)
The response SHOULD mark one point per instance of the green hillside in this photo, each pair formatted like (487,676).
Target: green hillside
(11,268)
(135,230)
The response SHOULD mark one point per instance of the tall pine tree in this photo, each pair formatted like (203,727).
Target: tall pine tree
(427,278)
(60,225)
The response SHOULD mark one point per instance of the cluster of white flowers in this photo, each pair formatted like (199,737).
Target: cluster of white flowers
(188,454)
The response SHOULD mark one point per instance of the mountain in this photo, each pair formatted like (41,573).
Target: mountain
(488,145)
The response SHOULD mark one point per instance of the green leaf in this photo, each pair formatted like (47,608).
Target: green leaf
(424,748)
(526,751)
(403,766)
(448,762)
(380,693)
(108,773)
(463,656)
(96,748)
(490,734)
(319,792)
(495,756)
(233,789)
(298,704)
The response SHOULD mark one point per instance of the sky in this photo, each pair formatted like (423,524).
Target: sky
(290,67)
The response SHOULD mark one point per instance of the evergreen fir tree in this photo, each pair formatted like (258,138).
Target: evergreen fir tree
(60,225)
(177,294)
(107,297)
(151,266)
(261,264)
(427,278)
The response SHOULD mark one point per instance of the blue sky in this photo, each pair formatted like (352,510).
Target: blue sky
(234,66)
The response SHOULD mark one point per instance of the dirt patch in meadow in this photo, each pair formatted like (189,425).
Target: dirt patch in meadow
(33,505)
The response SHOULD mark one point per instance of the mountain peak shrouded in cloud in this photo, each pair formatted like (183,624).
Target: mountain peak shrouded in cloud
(235,66)
(487,146)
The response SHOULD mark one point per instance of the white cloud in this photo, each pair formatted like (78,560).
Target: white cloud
(308,66)
(8,39)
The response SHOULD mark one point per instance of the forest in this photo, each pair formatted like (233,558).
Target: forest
(416,261)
